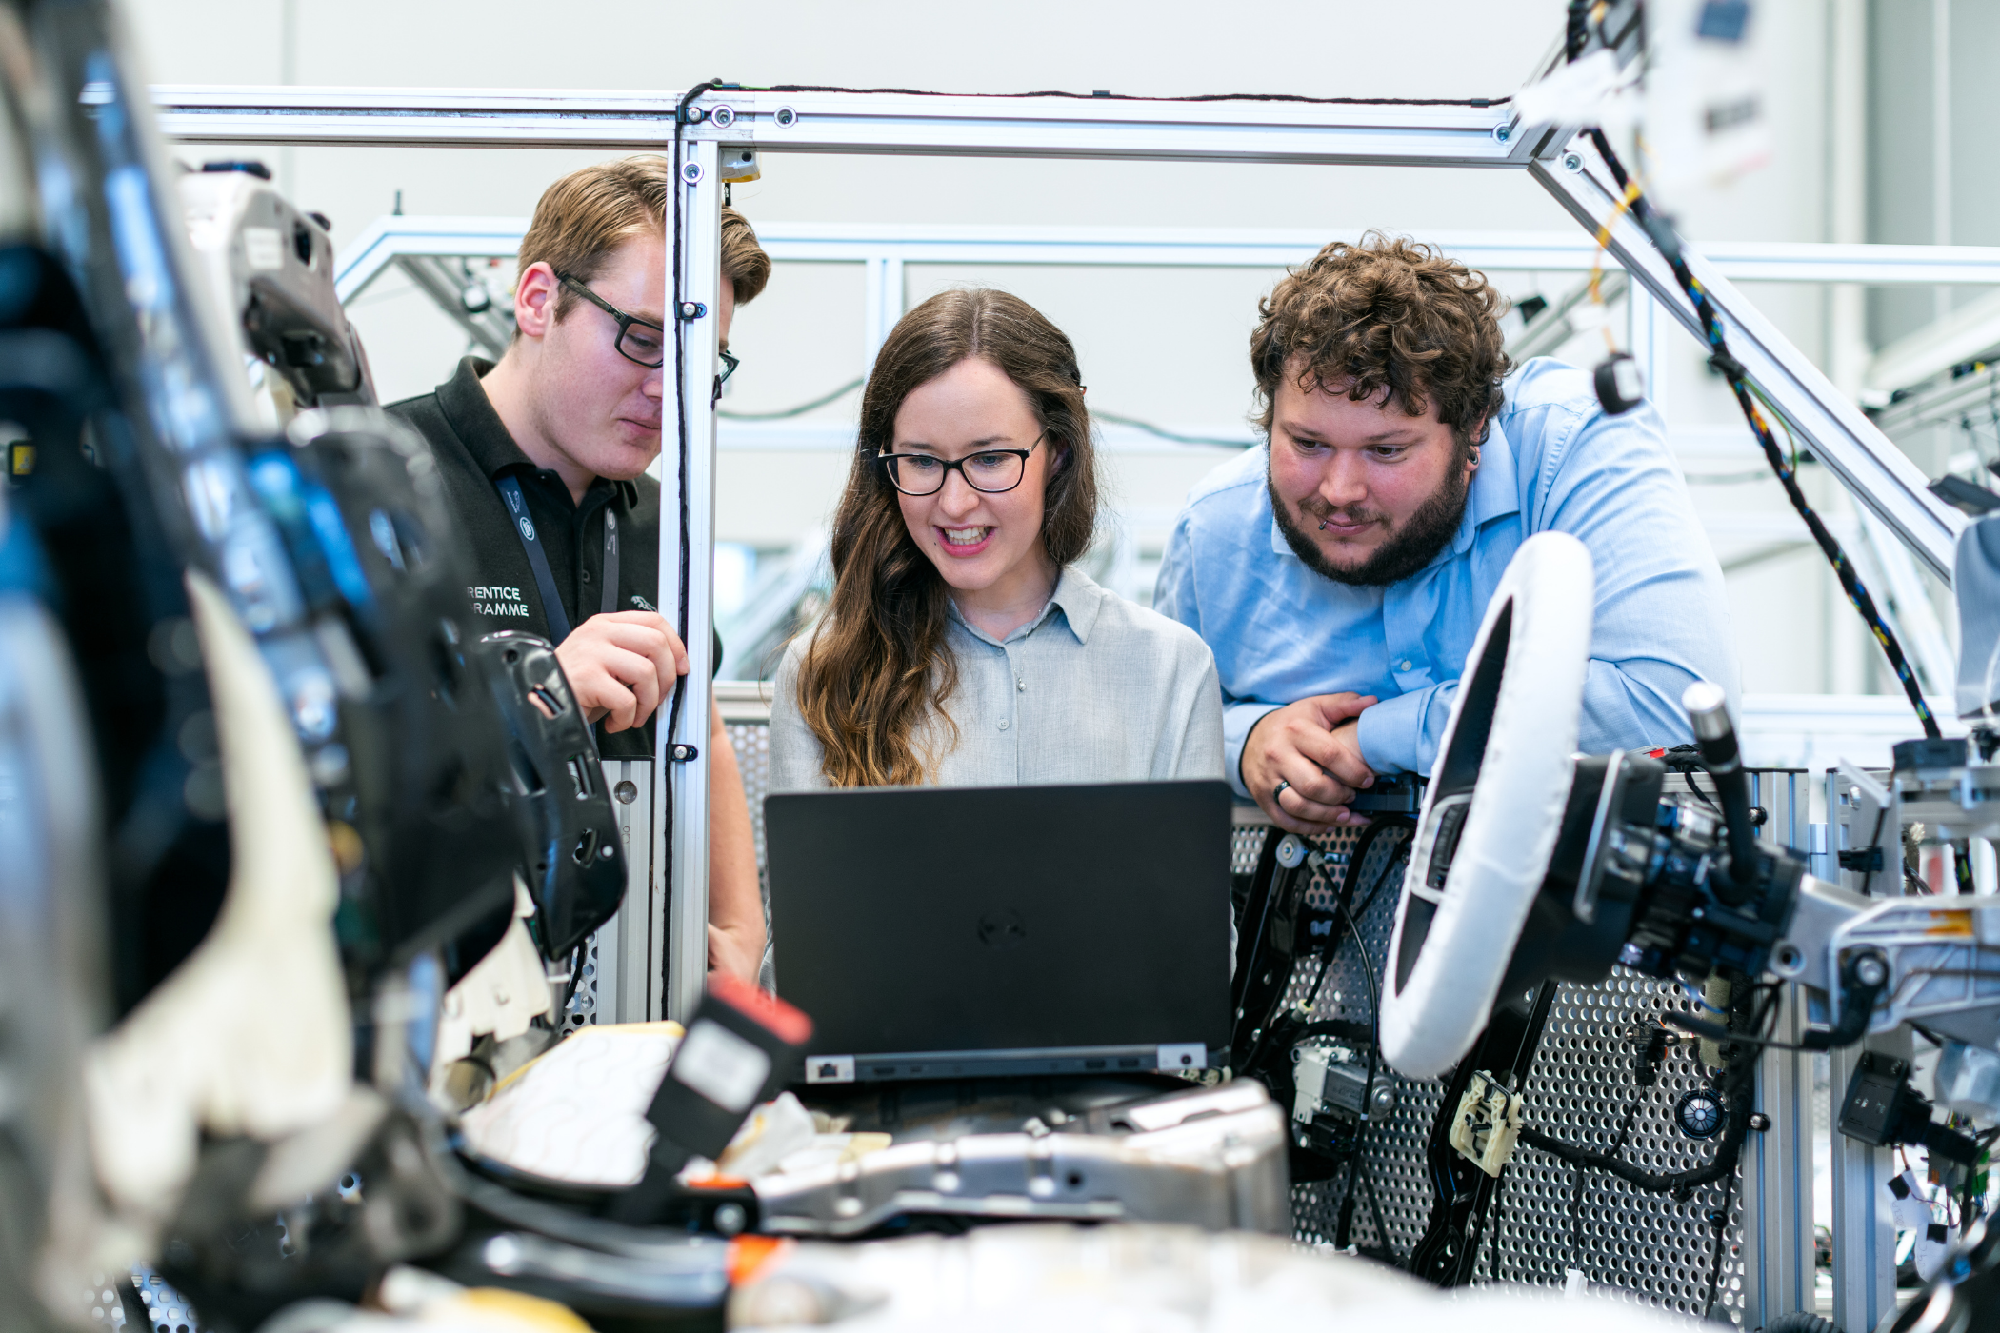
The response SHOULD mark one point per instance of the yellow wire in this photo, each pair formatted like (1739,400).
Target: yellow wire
(1603,246)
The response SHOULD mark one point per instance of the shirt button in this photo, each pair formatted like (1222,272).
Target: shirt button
(586,579)
(1020,684)
(1403,666)
(1003,726)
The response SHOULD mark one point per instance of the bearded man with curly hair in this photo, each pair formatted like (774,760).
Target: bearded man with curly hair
(1340,572)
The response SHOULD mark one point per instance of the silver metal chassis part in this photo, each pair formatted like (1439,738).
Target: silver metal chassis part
(1212,1158)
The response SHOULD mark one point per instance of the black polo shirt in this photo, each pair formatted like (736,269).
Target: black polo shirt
(473,450)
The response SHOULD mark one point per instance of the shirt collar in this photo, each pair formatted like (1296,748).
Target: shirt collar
(1494,493)
(1076,595)
(468,410)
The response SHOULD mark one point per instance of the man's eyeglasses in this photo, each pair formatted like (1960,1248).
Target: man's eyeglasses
(989,470)
(729,364)
(639,340)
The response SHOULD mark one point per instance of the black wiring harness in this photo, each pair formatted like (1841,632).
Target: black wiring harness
(1735,1086)
(1661,233)
(1282,912)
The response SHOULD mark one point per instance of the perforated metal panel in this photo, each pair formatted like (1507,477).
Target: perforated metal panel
(582,1008)
(1581,1087)
(1393,1179)
(167,1309)
(752,743)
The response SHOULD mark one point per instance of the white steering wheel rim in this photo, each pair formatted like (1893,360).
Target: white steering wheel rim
(1434,1009)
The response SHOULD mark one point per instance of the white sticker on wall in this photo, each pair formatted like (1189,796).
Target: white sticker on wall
(721,1066)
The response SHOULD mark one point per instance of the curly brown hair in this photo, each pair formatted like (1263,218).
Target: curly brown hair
(1386,317)
(877,667)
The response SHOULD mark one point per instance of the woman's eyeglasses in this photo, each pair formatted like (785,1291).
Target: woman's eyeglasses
(990,470)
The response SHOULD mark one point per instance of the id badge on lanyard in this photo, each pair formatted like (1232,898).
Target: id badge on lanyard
(538,559)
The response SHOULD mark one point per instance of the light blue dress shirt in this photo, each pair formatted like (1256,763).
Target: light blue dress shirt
(1281,632)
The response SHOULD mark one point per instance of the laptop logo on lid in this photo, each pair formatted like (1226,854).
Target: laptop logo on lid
(1002,928)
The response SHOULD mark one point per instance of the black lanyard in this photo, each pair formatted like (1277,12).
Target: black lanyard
(538,559)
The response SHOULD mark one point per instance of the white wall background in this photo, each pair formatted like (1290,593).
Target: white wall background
(1165,346)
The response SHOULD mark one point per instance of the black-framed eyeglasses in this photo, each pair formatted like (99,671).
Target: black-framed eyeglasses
(729,364)
(990,470)
(640,341)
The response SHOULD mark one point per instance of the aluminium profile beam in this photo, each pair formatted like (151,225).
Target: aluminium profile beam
(1960,336)
(1881,478)
(1976,395)
(850,122)
(1187,247)
(681,801)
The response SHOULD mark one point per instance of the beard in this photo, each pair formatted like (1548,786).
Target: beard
(1408,548)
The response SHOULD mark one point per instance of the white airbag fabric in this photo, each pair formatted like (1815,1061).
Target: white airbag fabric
(249,1036)
(1429,1023)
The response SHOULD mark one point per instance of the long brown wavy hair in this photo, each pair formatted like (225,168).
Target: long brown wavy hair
(877,667)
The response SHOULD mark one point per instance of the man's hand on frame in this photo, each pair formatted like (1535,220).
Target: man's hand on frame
(1303,763)
(621,664)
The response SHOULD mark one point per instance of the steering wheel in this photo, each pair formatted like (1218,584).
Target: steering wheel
(1495,805)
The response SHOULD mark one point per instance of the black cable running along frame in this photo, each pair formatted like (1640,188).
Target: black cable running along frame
(680,317)
(1661,233)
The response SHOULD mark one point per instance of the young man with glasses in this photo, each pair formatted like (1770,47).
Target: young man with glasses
(543,457)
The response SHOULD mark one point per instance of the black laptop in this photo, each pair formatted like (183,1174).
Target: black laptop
(975,931)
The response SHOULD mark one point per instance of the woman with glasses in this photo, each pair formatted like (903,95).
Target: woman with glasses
(963,645)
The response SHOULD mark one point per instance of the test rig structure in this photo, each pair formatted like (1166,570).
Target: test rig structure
(707,124)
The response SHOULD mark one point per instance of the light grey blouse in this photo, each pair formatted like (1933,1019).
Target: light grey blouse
(1094,689)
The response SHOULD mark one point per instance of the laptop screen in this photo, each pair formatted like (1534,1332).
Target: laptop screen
(1006,919)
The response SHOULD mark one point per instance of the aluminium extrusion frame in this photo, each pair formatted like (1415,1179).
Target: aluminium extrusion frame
(1469,136)
(1880,477)
(1318,133)
(885,251)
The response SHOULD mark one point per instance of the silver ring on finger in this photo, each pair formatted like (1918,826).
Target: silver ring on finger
(1279,790)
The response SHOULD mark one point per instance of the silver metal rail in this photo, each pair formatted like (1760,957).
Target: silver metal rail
(686,787)
(1976,395)
(388,237)
(1880,477)
(845,122)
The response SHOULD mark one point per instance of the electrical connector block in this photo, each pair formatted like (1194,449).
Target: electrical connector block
(1487,1124)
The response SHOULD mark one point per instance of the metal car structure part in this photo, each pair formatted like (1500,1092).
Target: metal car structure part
(1212,1158)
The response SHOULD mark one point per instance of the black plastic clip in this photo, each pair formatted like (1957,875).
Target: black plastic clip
(682,754)
(1868,861)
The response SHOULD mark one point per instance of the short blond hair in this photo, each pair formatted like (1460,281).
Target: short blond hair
(589,213)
